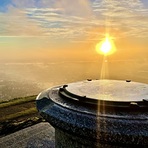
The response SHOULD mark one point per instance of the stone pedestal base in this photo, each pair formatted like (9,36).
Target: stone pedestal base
(65,140)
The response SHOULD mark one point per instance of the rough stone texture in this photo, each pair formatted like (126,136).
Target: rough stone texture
(82,125)
(65,140)
(37,136)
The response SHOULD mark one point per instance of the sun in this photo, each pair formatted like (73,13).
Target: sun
(106,46)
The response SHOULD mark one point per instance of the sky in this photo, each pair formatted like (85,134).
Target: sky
(70,29)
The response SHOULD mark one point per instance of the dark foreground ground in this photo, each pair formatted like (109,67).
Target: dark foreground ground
(40,135)
(18,114)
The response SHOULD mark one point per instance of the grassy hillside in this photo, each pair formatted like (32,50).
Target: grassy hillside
(16,101)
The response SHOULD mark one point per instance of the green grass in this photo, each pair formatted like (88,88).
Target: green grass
(20,114)
(17,101)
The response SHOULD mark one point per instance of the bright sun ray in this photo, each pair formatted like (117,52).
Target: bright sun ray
(106,46)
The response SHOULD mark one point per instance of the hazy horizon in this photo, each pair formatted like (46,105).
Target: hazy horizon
(24,79)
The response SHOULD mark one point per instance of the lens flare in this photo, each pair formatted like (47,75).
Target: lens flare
(106,46)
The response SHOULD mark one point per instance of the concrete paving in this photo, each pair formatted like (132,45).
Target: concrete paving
(38,136)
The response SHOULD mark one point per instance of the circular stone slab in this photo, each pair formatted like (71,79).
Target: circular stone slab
(110,90)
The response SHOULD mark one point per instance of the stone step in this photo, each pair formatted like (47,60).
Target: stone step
(37,136)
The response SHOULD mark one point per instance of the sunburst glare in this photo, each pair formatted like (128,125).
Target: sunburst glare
(106,46)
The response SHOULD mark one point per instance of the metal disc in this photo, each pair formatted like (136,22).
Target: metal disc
(110,90)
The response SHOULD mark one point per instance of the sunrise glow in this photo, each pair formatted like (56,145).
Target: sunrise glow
(79,30)
(106,46)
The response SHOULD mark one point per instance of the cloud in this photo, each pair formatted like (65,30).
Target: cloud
(43,18)
(72,20)
(128,16)
(81,8)
(23,3)
(16,23)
